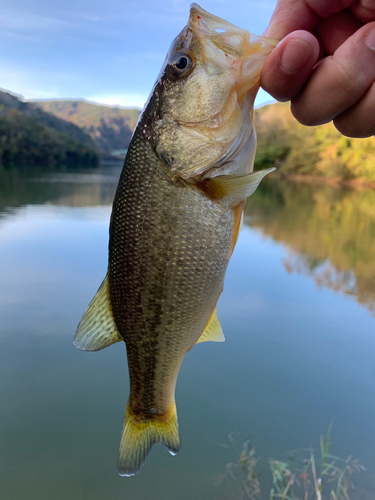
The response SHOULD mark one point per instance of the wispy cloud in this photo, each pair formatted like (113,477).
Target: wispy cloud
(128,100)
(34,85)
(14,19)
(109,52)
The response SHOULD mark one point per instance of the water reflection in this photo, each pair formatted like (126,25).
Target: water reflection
(296,356)
(68,188)
(329,231)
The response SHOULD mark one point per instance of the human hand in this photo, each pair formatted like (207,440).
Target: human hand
(327,67)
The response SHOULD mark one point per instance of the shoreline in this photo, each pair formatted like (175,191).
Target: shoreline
(359,183)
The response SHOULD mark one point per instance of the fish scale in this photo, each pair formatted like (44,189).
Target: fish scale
(175,221)
(177,259)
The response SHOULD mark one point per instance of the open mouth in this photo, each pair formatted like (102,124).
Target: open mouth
(229,38)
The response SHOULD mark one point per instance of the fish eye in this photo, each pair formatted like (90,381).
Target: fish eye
(180,64)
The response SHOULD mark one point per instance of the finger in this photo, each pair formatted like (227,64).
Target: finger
(326,8)
(339,81)
(364,10)
(289,65)
(291,15)
(359,120)
(334,31)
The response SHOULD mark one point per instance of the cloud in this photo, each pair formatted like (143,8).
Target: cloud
(23,20)
(30,84)
(107,52)
(128,100)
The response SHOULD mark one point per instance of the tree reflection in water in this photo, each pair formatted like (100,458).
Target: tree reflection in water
(329,231)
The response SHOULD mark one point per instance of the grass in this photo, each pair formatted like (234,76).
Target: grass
(307,474)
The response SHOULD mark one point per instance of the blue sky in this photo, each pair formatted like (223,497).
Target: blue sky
(105,51)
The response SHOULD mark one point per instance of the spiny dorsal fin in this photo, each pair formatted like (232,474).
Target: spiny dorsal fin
(241,186)
(213,331)
(97,328)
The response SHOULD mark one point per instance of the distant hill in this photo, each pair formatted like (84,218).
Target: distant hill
(109,127)
(29,135)
(310,151)
(282,142)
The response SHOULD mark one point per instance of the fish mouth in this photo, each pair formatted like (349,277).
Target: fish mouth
(226,48)
(237,49)
(213,121)
(224,35)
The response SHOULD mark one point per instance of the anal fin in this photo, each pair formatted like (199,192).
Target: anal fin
(97,328)
(213,331)
(237,226)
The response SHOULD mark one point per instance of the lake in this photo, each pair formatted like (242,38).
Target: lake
(298,313)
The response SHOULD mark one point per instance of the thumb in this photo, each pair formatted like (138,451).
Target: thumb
(289,65)
(291,15)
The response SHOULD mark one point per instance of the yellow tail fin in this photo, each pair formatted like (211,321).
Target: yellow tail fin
(140,434)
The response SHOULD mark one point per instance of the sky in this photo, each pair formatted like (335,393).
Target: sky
(104,51)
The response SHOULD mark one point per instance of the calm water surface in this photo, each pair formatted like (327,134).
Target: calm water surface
(298,315)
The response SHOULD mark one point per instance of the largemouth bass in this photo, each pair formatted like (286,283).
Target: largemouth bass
(175,221)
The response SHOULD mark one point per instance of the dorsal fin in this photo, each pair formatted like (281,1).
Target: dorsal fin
(97,328)
(213,331)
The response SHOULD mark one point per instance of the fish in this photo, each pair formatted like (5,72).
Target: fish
(176,217)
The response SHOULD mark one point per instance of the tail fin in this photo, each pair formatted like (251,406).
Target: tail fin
(139,435)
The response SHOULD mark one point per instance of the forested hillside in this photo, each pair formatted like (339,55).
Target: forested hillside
(63,131)
(109,127)
(31,136)
(316,151)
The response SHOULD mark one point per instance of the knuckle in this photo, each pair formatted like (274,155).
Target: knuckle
(349,127)
(303,114)
(364,10)
(350,77)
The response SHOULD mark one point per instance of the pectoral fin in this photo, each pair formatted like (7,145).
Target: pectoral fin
(97,328)
(213,331)
(240,186)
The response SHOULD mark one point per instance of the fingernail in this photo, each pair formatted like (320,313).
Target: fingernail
(296,55)
(370,39)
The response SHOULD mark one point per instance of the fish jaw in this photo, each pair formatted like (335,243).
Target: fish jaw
(204,116)
(239,51)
